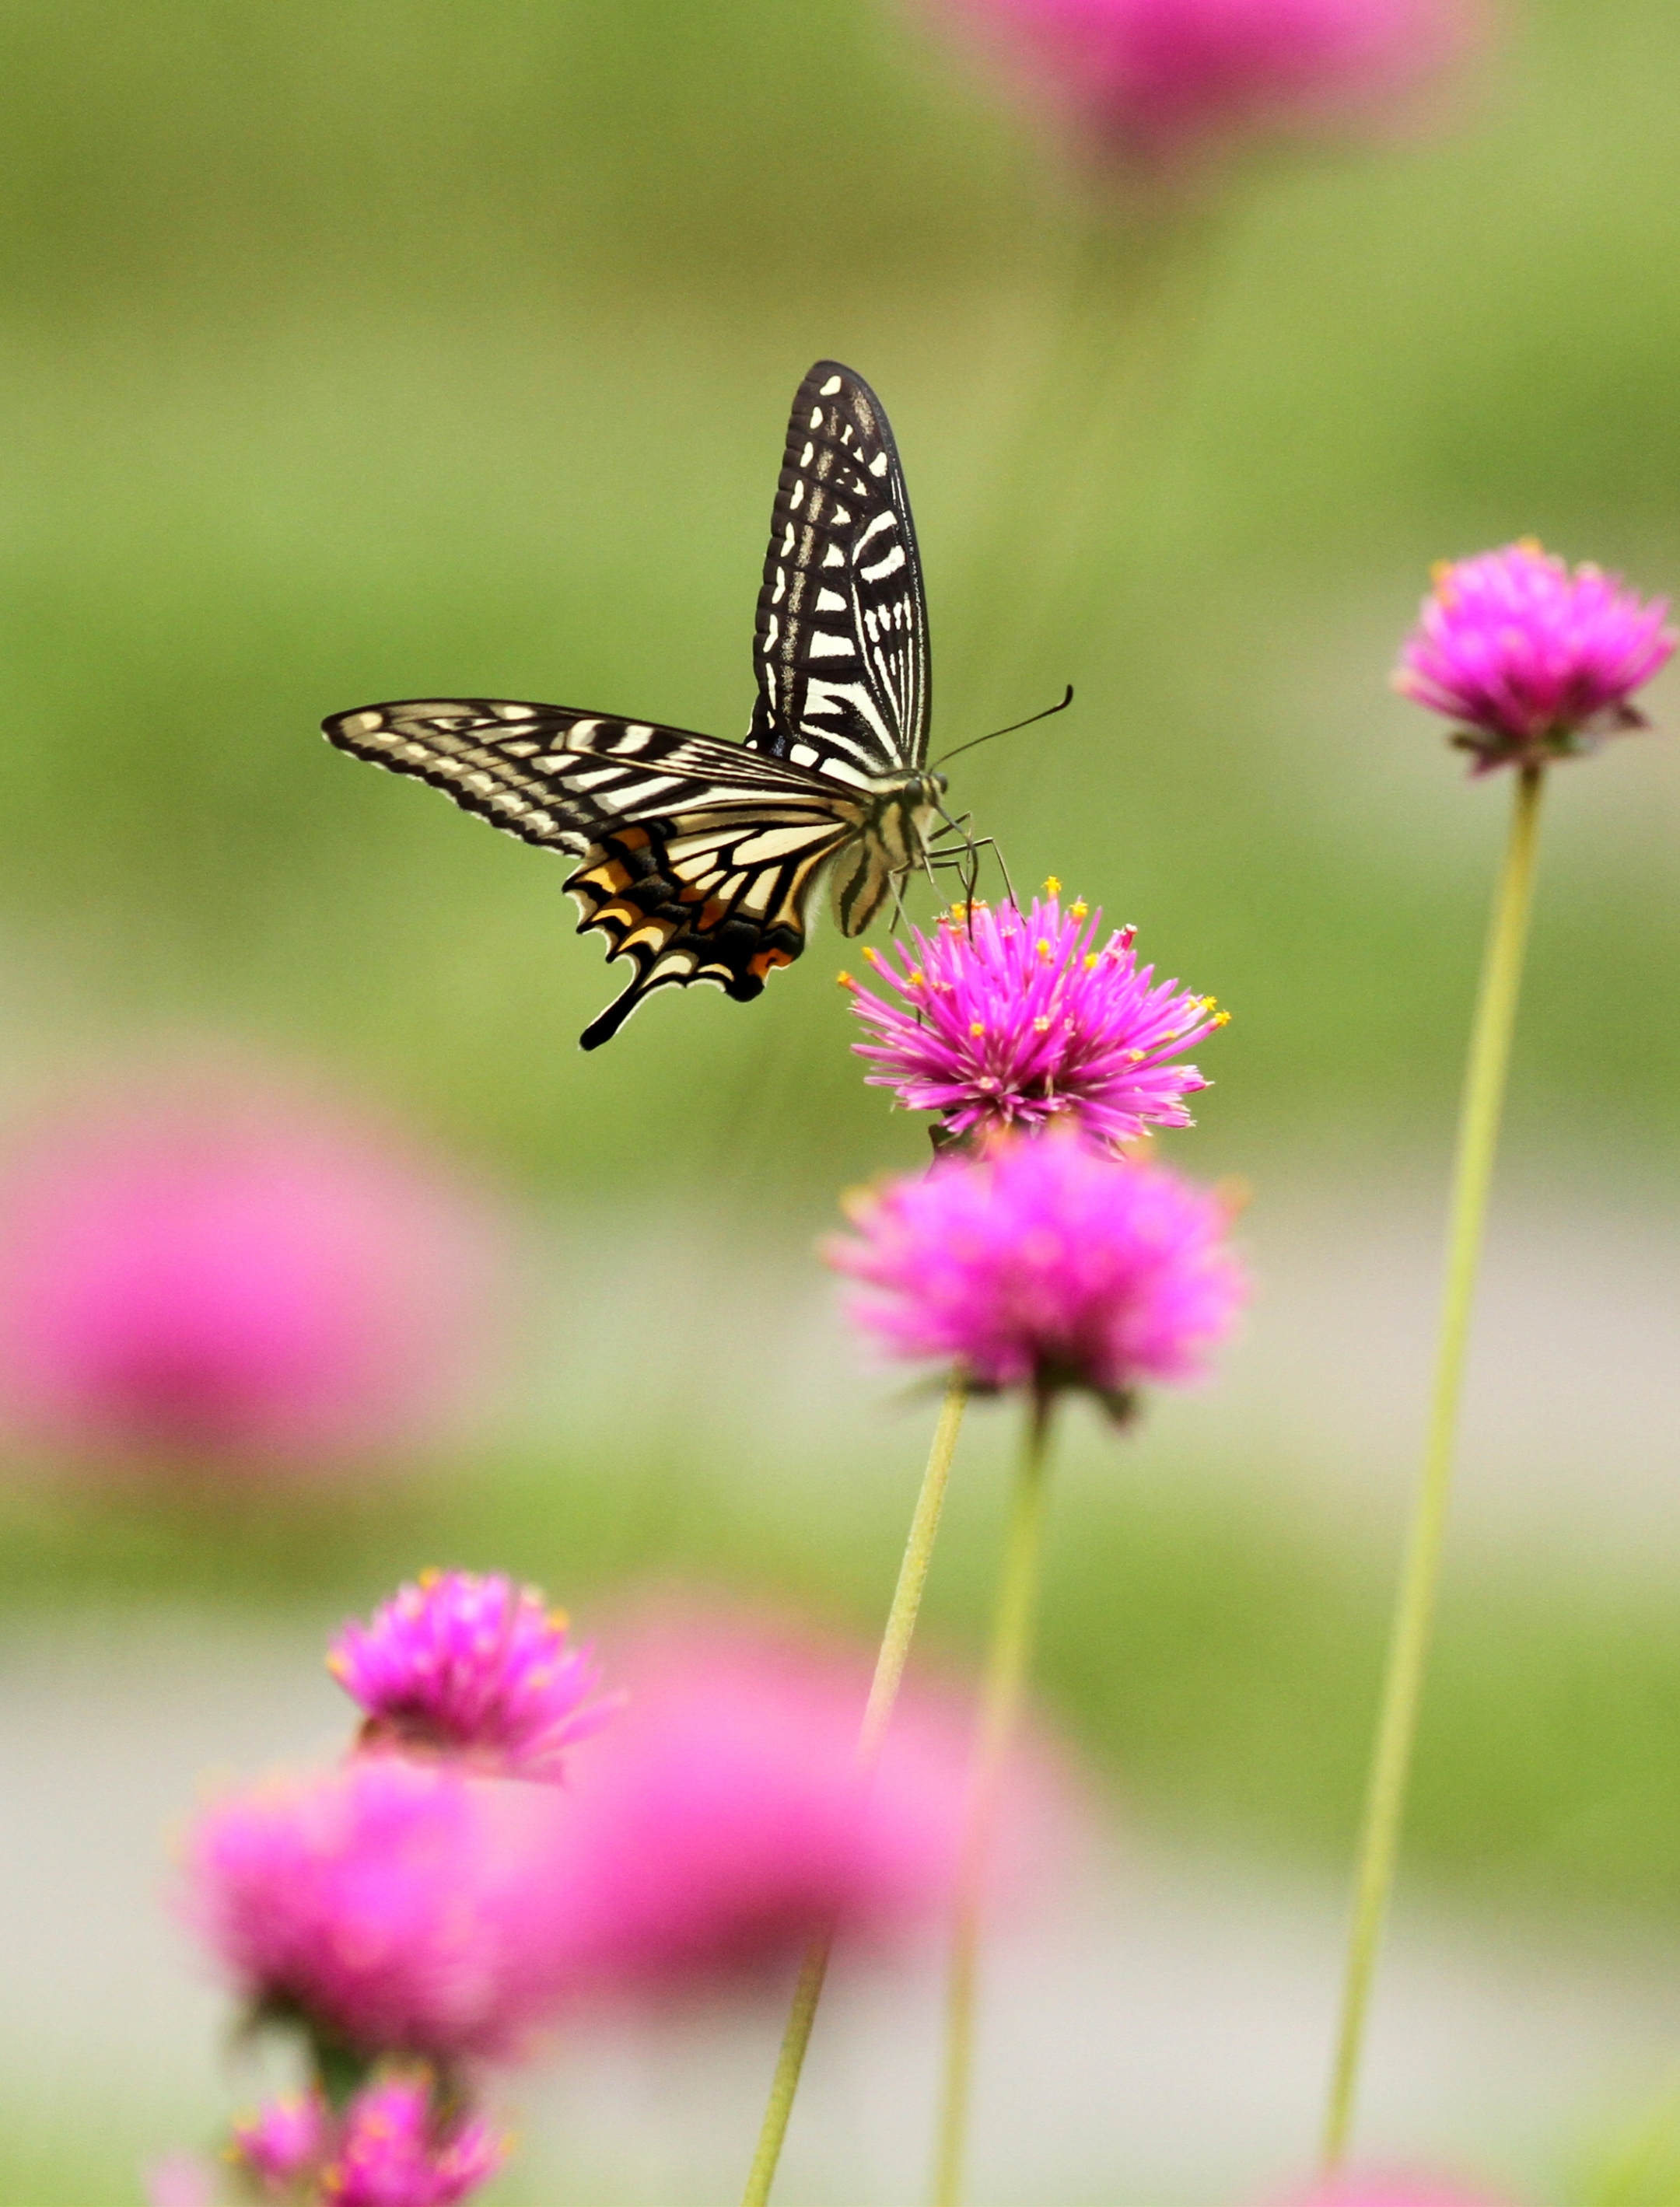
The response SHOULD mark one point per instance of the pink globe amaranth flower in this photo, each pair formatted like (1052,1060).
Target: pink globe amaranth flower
(1046,1264)
(284,2141)
(389,1907)
(474,1666)
(394,2151)
(718,1824)
(1007,1019)
(1534,661)
(212,1269)
(1154,84)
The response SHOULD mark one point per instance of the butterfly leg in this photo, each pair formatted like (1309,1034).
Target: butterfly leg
(989,843)
(972,846)
(958,862)
(963,861)
(931,859)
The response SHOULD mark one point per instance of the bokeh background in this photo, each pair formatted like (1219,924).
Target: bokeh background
(358,352)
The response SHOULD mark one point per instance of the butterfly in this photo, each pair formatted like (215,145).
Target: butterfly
(699,860)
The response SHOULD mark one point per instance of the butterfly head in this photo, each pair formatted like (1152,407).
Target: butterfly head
(907,806)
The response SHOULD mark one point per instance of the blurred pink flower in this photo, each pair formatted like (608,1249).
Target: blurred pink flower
(388,2149)
(1046,1264)
(1154,82)
(394,2152)
(285,2140)
(717,1824)
(1535,663)
(1010,1019)
(389,1906)
(179,2179)
(1390,2191)
(214,1270)
(474,1666)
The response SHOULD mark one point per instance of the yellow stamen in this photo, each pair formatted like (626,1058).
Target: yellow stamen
(1052,886)
(918,978)
(844,980)
(1089,962)
(873,955)
(1043,947)
(430,1576)
(1080,908)
(1041,1027)
(1221,1019)
(975,1028)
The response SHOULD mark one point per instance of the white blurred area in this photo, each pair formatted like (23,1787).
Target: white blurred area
(1159,2031)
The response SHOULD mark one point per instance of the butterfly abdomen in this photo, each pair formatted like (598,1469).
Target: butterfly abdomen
(893,844)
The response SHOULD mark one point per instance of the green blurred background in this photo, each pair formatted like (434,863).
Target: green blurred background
(353,352)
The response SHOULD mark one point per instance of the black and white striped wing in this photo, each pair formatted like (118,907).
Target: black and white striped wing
(698,858)
(842,648)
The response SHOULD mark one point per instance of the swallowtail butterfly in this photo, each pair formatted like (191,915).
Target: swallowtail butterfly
(699,859)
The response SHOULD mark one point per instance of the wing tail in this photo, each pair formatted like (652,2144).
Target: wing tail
(606,1024)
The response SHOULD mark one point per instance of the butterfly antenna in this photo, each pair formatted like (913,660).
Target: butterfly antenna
(1059,707)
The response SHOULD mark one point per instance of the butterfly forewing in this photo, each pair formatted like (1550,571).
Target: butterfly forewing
(554,776)
(840,651)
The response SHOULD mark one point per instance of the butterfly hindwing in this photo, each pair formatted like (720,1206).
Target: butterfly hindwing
(698,857)
(718,896)
(840,651)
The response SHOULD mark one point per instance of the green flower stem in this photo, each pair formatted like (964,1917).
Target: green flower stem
(1414,1608)
(1001,1697)
(878,1714)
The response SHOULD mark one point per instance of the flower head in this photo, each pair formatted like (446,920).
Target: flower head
(395,2152)
(717,1826)
(1534,661)
(392,1907)
(211,1270)
(1011,1019)
(1046,1264)
(474,1666)
(1154,83)
(285,2140)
